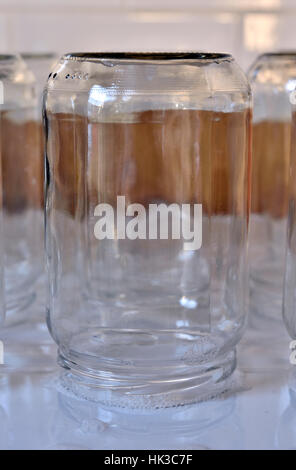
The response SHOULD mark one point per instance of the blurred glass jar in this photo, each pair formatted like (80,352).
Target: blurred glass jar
(2,288)
(272,78)
(140,316)
(22,186)
(289,308)
(40,64)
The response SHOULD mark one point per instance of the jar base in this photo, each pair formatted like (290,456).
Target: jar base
(204,382)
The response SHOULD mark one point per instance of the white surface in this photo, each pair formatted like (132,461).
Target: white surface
(258,413)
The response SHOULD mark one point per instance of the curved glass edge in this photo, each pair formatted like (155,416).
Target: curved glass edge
(147,56)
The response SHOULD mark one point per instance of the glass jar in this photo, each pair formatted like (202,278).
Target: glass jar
(2,288)
(22,186)
(146,222)
(272,79)
(40,64)
(289,304)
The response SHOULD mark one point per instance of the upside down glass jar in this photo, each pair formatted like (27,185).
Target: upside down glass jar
(289,304)
(21,167)
(272,78)
(40,64)
(2,287)
(147,198)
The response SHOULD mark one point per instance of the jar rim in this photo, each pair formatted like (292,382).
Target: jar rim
(147,56)
(38,55)
(278,54)
(6,57)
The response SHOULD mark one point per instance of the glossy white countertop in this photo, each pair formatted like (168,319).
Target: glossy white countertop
(37,413)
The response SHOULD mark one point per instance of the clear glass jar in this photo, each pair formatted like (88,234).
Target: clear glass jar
(142,314)
(289,305)
(22,186)
(272,79)
(2,288)
(40,64)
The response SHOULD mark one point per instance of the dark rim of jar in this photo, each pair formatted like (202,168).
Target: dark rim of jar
(279,54)
(7,57)
(147,56)
(38,55)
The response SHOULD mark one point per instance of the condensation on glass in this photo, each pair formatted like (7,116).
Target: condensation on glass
(22,186)
(273,78)
(142,321)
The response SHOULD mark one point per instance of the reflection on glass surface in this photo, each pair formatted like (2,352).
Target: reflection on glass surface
(38,412)
(286,432)
(101,427)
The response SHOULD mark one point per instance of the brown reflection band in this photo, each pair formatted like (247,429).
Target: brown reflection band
(176,156)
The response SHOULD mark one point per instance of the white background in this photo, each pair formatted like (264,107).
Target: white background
(244,28)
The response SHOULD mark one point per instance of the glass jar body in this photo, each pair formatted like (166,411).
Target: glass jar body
(272,79)
(146,223)
(22,187)
(40,64)
(289,305)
